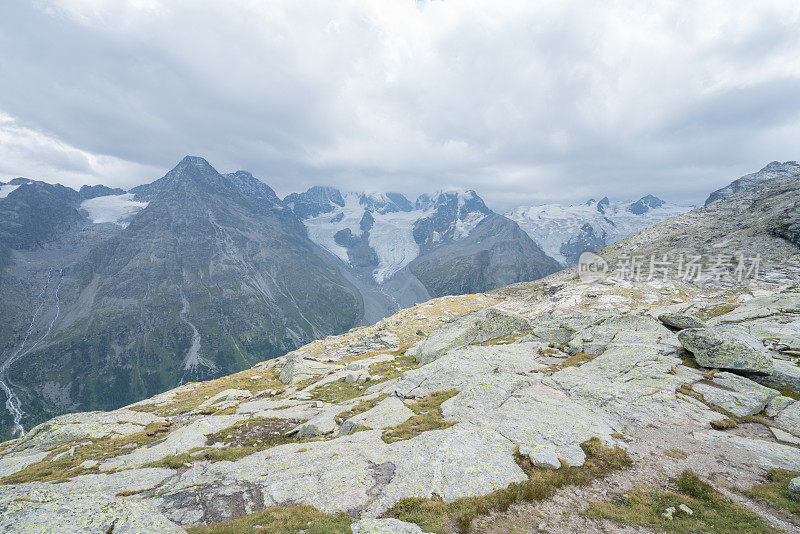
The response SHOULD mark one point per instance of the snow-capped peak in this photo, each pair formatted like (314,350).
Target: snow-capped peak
(387,223)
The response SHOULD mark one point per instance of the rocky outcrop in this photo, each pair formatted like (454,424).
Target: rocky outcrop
(735,394)
(728,348)
(776,169)
(474,328)
(679,321)
(388,413)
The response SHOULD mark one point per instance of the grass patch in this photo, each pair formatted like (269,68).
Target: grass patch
(776,491)
(429,417)
(506,339)
(434,515)
(393,368)
(338,391)
(240,440)
(261,432)
(789,392)
(724,424)
(678,454)
(576,360)
(281,520)
(711,511)
(100,450)
(716,311)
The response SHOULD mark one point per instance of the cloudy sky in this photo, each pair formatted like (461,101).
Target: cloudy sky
(526,102)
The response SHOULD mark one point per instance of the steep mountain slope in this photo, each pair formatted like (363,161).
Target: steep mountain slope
(495,253)
(564,232)
(565,404)
(192,276)
(446,243)
(775,169)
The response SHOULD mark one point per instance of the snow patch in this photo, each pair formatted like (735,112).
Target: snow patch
(465,226)
(5,190)
(114,209)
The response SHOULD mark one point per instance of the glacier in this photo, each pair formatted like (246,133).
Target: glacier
(114,209)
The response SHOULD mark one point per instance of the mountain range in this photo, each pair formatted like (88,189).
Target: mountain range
(111,296)
(566,404)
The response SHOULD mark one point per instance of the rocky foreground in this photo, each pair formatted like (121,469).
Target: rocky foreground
(559,406)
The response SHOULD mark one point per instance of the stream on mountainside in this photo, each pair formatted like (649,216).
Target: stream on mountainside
(13,403)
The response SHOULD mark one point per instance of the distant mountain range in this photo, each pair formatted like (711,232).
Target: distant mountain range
(564,232)
(400,253)
(108,296)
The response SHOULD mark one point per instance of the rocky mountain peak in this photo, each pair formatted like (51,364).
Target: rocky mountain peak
(603,205)
(772,170)
(93,191)
(314,201)
(384,202)
(644,204)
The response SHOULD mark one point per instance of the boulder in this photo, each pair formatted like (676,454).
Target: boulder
(360,376)
(777,404)
(384,526)
(736,394)
(794,488)
(544,457)
(320,425)
(229,396)
(784,375)
(679,321)
(783,436)
(388,413)
(298,369)
(476,327)
(789,419)
(726,348)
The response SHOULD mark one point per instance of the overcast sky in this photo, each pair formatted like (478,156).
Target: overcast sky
(526,102)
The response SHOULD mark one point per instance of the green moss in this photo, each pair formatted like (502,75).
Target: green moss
(776,491)
(434,515)
(711,511)
(281,520)
(429,417)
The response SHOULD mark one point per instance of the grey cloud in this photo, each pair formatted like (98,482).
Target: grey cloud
(520,101)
